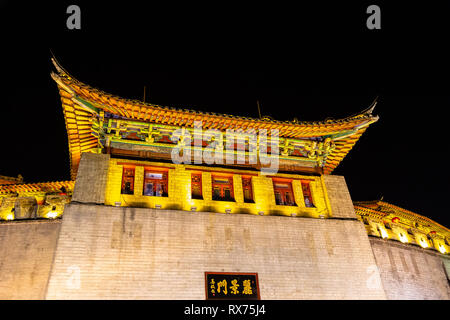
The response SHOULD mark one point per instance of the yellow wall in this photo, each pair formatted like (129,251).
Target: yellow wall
(179,191)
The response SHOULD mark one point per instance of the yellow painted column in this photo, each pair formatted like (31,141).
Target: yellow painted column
(138,180)
(237,187)
(325,197)
(114,183)
(180,187)
(174,185)
(263,192)
(206,186)
(298,193)
(318,197)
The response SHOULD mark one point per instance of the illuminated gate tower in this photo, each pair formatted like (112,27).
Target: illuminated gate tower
(140,226)
(137,138)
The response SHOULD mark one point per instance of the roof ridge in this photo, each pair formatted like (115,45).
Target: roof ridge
(366,113)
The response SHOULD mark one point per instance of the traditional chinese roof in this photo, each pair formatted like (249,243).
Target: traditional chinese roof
(46,187)
(393,215)
(386,210)
(81,103)
(10,180)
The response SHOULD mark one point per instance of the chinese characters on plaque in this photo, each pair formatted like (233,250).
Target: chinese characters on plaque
(226,286)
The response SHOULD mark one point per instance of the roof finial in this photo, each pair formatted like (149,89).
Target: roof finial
(144,92)
(372,106)
(51,52)
(368,111)
(57,64)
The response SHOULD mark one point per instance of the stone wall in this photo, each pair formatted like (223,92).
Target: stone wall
(410,272)
(115,252)
(446,261)
(340,200)
(91,179)
(26,256)
(137,253)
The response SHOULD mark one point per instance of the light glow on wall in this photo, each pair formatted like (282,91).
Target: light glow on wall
(423,243)
(179,196)
(402,238)
(51,214)
(383,232)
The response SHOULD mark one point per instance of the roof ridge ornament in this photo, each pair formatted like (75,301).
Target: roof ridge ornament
(372,106)
(267,118)
(57,65)
(368,111)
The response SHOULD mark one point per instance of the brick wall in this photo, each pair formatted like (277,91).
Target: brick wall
(26,256)
(446,261)
(91,179)
(138,253)
(340,200)
(410,272)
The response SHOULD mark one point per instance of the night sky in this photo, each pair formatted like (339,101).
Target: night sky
(311,63)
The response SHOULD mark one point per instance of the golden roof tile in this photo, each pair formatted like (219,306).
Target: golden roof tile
(75,95)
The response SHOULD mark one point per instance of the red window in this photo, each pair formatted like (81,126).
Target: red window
(196,186)
(155,183)
(307,194)
(283,192)
(127,181)
(222,188)
(247,188)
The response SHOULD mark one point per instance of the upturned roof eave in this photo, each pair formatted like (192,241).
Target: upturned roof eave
(323,127)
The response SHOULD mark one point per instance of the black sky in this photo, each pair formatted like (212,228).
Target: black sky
(308,62)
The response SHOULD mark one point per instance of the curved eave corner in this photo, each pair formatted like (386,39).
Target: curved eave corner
(80,102)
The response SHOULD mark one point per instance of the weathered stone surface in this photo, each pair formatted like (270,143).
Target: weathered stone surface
(91,178)
(409,272)
(340,200)
(26,256)
(25,208)
(129,253)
